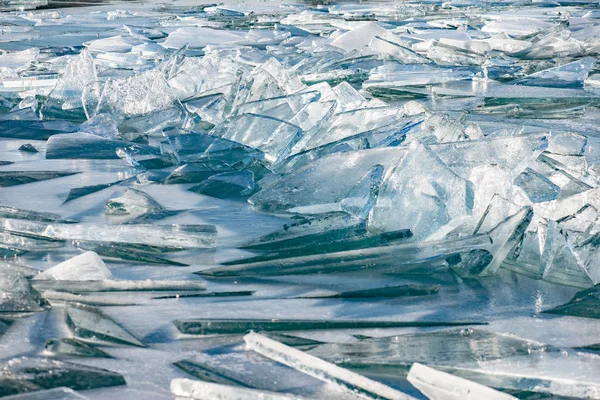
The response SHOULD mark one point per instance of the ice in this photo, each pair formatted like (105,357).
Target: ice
(217,326)
(273,165)
(90,323)
(108,285)
(440,385)
(227,185)
(584,304)
(84,267)
(24,375)
(466,346)
(133,203)
(73,347)
(375,293)
(320,369)
(393,258)
(206,390)
(60,393)
(434,188)
(538,188)
(16,293)
(14,178)
(170,236)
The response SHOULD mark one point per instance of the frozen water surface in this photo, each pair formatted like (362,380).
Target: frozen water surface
(299,200)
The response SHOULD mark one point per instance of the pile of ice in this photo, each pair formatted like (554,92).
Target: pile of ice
(398,139)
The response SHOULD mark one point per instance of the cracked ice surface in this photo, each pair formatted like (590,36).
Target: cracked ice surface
(400,199)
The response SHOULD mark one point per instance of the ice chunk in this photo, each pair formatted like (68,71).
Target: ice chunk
(78,78)
(585,304)
(237,326)
(28,148)
(140,104)
(24,375)
(393,258)
(324,181)
(571,75)
(16,293)
(14,178)
(70,347)
(175,236)
(506,237)
(350,381)
(208,373)
(207,294)
(90,323)
(87,146)
(538,188)
(76,193)
(17,213)
(101,125)
(227,185)
(439,348)
(559,260)
(208,391)
(363,196)
(118,286)
(19,60)
(567,144)
(437,385)
(359,37)
(84,267)
(121,251)
(273,136)
(199,37)
(375,293)
(132,203)
(421,194)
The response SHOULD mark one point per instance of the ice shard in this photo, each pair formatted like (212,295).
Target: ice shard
(376,293)
(537,186)
(437,385)
(233,326)
(25,375)
(14,178)
(17,213)
(84,267)
(439,348)
(168,236)
(585,304)
(132,203)
(91,324)
(227,185)
(393,258)
(17,293)
(69,347)
(109,285)
(350,381)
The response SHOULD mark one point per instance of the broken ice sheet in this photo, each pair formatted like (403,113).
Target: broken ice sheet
(227,185)
(24,375)
(320,369)
(453,347)
(394,258)
(91,324)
